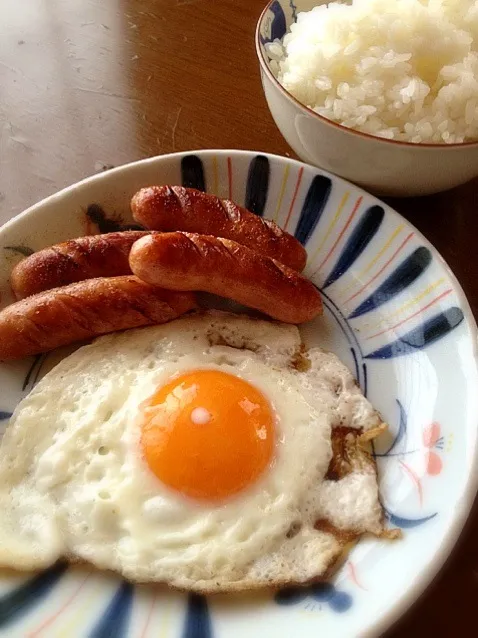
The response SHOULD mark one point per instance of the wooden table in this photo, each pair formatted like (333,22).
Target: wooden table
(86,84)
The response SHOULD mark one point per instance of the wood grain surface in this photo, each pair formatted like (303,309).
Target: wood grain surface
(88,84)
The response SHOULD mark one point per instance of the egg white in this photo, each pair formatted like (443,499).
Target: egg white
(74,482)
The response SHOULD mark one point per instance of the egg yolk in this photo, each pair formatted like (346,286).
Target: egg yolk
(207,434)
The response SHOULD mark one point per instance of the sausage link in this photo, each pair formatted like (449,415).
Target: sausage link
(75,260)
(169,208)
(185,261)
(84,310)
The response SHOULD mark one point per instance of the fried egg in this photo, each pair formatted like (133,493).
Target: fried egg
(199,453)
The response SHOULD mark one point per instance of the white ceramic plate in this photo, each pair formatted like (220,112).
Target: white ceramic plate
(397,317)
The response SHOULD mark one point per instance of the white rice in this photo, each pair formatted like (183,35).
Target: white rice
(399,69)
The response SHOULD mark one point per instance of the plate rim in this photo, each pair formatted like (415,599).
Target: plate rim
(467,497)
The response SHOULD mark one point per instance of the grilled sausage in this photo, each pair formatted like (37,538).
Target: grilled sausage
(185,261)
(75,260)
(84,310)
(169,208)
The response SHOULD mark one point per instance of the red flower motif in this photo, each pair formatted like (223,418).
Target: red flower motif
(431,435)
(432,439)
(434,464)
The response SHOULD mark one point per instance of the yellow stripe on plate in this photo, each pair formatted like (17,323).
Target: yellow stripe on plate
(369,266)
(281,192)
(409,304)
(335,219)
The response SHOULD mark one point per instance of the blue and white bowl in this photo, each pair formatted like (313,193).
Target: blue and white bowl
(396,316)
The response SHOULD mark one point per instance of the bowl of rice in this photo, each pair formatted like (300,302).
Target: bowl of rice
(381,92)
